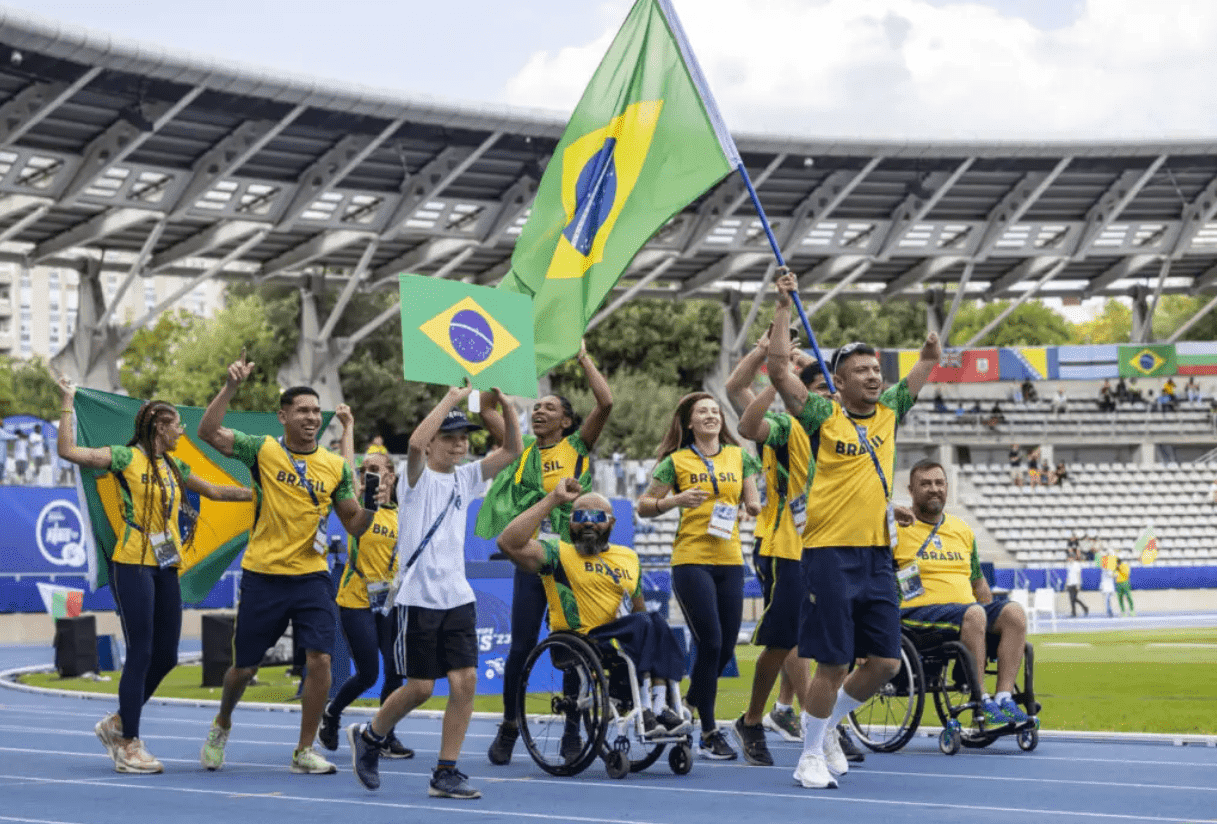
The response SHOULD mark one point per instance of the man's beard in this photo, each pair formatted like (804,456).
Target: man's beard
(590,541)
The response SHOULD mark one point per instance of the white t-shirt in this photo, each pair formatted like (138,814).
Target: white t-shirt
(1073,574)
(36,444)
(437,578)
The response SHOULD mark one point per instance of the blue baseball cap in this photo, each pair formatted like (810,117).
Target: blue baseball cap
(457,422)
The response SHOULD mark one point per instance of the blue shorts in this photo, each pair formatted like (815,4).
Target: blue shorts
(782,595)
(851,609)
(933,624)
(268,603)
(649,642)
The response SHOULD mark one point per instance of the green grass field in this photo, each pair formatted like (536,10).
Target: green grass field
(1123,681)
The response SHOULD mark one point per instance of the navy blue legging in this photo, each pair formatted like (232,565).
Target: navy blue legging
(370,637)
(712,598)
(528,607)
(149,605)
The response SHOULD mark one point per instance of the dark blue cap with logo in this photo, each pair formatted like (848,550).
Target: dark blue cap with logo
(457,422)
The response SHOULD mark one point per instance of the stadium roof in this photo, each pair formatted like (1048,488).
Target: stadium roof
(186,166)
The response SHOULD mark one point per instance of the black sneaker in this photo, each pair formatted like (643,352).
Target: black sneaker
(328,734)
(365,756)
(650,726)
(392,748)
(571,747)
(714,746)
(504,742)
(672,722)
(449,782)
(751,739)
(853,753)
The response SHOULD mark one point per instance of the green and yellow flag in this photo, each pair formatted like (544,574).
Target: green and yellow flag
(645,141)
(1146,547)
(450,330)
(222,528)
(1147,361)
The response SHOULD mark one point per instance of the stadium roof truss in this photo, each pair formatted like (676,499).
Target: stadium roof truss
(120,157)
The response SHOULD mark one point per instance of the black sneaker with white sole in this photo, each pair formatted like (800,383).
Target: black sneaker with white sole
(714,746)
(853,753)
(504,742)
(328,732)
(751,739)
(393,748)
(449,782)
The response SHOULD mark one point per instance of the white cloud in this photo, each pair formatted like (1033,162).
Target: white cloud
(909,69)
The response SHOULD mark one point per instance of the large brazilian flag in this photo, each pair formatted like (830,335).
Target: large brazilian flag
(645,140)
(222,529)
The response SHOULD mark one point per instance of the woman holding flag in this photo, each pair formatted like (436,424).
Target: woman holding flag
(709,476)
(147,554)
(560,447)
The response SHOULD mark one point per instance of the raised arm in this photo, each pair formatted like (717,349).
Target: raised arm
(492,419)
(347,445)
(513,441)
(593,425)
(92,457)
(739,382)
(211,428)
(216,492)
(516,541)
(787,384)
(931,353)
(752,424)
(416,459)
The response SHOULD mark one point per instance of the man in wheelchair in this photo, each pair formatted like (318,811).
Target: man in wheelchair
(585,584)
(945,597)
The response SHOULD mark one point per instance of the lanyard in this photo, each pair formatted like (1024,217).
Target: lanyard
(300,467)
(430,532)
(709,466)
(870,450)
(166,479)
(930,537)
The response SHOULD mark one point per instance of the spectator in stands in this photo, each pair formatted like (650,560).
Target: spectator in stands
(1167,400)
(1107,398)
(1192,390)
(1134,394)
(641,478)
(940,404)
(996,417)
(1059,475)
(1029,393)
(1121,391)
(1060,401)
(21,455)
(1016,395)
(1016,465)
(1033,467)
(1092,547)
(1073,578)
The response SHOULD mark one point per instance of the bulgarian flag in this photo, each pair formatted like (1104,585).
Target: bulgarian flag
(1147,545)
(222,529)
(61,602)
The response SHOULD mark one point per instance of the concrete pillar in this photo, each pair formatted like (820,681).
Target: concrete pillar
(90,358)
(1140,311)
(935,310)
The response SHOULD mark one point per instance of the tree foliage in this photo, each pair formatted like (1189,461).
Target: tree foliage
(27,388)
(1031,324)
(642,411)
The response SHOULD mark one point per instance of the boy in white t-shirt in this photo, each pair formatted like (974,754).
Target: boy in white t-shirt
(436,607)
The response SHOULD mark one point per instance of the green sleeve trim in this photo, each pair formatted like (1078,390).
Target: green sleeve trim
(751,465)
(815,412)
(120,458)
(898,399)
(183,468)
(779,429)
(665,472)
(346,486)
(245,447)
(552,557)
(576,442)
(975,561)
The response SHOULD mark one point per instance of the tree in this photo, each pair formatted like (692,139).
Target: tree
(1031,324)
(1112,325)
(28,388)
(151,349)
(642,411)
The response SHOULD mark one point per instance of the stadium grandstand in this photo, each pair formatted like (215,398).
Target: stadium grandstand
(122,162)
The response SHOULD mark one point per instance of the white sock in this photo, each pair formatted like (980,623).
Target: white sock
(813,733)
(659,698)
(844,706)
(778,706)
(644,697)
(1002,696)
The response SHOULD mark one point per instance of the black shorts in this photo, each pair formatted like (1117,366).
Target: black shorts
(433,642)
(782,594)
(851,609)
(268,603)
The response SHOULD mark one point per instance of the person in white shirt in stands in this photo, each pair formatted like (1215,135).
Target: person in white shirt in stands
(436,607)
(1213,492)
(1060,401)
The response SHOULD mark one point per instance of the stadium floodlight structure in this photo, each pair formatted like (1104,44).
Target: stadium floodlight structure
(120,157)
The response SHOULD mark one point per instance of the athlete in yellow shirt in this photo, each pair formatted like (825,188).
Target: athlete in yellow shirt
(144,568)
(285,576)
(944,596)
(851,610)
(709,476)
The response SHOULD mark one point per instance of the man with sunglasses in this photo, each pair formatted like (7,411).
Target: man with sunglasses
(585,583)
(850,610)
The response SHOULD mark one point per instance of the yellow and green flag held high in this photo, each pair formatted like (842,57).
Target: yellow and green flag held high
(645,141)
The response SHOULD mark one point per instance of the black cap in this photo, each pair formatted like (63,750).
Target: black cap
(457,422)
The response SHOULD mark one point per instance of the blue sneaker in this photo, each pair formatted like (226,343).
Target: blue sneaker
(1013,711)
(992,714)
(365,757)
(449,782)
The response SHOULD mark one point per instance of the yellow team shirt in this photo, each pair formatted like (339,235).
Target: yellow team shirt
(851,506)
(784,459)
(370,557)
(285,515)
(682,470)
(948,564)
(586,592)
(1123,571)
(132,470)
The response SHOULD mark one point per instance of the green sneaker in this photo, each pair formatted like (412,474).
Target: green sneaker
(785,723)
(212,754)
(309,762)
(992,714)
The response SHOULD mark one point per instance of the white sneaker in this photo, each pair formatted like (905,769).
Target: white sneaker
(132,757)
(813,773)
(110,732)
(834,758)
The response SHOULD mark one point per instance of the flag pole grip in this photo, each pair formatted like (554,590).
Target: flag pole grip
(777,253)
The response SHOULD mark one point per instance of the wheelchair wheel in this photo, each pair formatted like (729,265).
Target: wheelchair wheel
(680,759)
(563,704)
(889,719)
(950,739)
(1028,739)
(616,764)
(951,694)
(648,758)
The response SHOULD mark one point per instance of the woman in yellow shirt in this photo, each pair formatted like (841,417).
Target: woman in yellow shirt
(144,567)
(703,471)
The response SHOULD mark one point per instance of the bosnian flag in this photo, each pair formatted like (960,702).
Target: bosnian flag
(61,602)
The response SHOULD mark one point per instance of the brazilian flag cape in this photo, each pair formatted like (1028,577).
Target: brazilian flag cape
(518,487)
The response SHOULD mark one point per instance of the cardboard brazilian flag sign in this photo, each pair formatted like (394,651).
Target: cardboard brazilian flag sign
(645,141)
(450,330)
(222,529)
(1147,360)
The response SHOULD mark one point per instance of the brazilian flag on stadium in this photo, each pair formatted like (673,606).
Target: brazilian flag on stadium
(1147,360)
(222,528)
(645,141)
(452,330)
